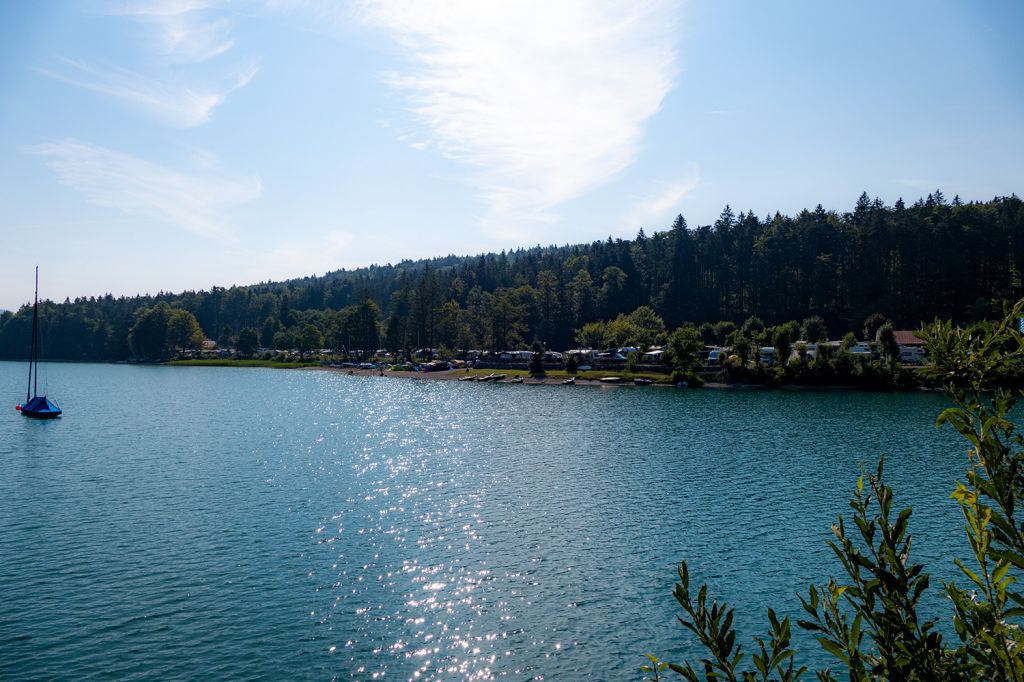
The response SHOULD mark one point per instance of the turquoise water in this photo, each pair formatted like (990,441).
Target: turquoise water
(181,523)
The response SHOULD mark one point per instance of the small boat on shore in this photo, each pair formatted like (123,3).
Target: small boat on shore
(642,381)
(486,377)
(610,380)
(468,377)
(571,381)
(515,380)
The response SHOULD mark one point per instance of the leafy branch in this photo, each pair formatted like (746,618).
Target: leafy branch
(868,620)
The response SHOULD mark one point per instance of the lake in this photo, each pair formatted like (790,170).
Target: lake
(182,523)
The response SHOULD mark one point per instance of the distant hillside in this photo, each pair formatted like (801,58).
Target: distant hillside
(911,263)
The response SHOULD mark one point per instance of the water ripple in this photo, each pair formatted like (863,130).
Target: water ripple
(272,525)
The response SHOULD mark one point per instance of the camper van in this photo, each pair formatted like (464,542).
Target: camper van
(862,349)
(913,355)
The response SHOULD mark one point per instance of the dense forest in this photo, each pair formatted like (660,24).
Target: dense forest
(935,258)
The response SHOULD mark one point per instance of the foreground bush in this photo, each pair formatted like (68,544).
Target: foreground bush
(867,620)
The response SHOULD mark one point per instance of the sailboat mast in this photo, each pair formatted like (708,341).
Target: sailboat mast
(35,338)
(32,345)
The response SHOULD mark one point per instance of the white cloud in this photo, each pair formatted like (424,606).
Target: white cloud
(139,188)
(169,100)
(547,100)
(662,205)
(184,30)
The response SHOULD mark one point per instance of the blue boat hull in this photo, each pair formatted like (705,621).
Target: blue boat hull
(48,414)
(41,407)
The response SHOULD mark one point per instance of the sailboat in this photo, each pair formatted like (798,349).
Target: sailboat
(37,406)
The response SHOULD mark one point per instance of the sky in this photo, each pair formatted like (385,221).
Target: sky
(169,145)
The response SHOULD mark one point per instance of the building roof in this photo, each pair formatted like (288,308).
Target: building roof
(907,337)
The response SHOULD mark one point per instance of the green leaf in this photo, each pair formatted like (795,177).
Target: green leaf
(1001,568)
(970,574)
(833,648)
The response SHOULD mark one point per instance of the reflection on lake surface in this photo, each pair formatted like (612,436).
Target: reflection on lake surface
(220,522)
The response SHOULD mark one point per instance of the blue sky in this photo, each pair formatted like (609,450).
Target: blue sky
(151,145)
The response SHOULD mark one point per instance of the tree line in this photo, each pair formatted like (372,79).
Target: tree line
(910,263)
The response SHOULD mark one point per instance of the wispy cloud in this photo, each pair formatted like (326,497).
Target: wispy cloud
(185,32)
(195,202)
(167,99)
(545,100)
(663,203)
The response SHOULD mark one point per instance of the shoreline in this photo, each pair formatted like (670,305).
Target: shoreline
(455,375)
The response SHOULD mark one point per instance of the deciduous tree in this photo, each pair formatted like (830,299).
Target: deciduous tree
(183,330)
(148,334)
(309,339)
(247,343)
(685,349)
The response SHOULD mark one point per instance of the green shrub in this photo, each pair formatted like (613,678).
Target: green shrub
(692,379)
(867,620)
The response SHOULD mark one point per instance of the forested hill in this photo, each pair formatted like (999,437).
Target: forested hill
(911,263)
